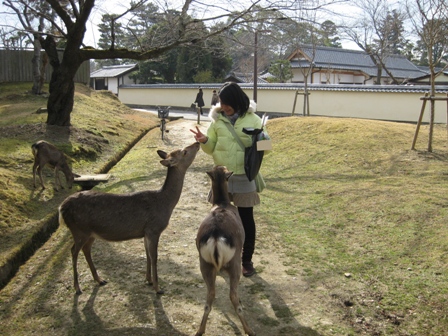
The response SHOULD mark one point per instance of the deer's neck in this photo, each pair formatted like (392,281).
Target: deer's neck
(220,194)
(174,182)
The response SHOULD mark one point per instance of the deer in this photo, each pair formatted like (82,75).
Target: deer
(46,153)
(219,241)
(118,217)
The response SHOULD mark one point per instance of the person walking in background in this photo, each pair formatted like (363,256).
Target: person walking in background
(200,100)
(234,111)
(215,98)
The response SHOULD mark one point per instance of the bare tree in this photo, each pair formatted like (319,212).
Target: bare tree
(69,27)
(71,18)
(377,32)
(33,26)
(429,19)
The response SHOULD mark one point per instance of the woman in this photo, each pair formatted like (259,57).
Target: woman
(215,98)
(200,100)
(238,112)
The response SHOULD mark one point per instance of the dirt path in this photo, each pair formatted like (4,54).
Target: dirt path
(275,303)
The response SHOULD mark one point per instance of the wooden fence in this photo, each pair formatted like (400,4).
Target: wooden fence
(16,66)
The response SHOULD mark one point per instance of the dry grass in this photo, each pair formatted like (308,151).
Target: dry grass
(365,217)
(102,128)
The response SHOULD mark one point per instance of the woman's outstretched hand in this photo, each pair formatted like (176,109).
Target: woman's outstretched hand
(199,136)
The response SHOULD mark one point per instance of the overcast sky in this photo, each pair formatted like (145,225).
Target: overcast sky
(118,6)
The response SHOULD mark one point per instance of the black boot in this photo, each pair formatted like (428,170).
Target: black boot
(248,251)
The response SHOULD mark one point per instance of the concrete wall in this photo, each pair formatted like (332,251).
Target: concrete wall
(370,102)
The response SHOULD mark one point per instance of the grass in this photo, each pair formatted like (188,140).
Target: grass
(359,210)
(359,216)
(92,143)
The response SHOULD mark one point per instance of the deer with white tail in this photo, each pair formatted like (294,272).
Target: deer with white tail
(220,240)
(118,217)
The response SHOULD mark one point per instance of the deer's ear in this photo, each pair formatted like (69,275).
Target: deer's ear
(210,174)
(162,154)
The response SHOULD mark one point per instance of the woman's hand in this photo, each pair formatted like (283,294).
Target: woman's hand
(199,136)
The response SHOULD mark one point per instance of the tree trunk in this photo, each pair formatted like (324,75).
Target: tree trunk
(431,125)
(432,112)
(43,69)
(61,99)
(36,60)
(305,100)
(379,72)
(62,85)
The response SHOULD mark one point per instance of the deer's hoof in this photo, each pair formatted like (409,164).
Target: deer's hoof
(78,292)
(160,292)
(102,282)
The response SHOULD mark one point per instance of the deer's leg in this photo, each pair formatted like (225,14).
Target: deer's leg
(151,246)
(34,173)
(148,260)
(39,172)
(234,278)
(209,276)
(87,248)
(75,252)
(56,178)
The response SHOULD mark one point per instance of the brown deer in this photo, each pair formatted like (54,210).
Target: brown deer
(220,241)
(46,153)
(118,217)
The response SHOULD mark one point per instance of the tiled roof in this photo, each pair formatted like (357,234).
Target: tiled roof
(241,77)
(300,87)
(354,60)
(113,71)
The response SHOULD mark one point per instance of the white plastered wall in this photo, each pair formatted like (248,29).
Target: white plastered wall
(394,106)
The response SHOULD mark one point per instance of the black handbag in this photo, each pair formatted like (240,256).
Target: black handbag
(252,157)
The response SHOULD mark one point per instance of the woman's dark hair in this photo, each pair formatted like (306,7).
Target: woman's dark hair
(232,95)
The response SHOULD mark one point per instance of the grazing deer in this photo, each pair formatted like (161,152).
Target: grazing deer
(220,241)
(46,153)
(118,217)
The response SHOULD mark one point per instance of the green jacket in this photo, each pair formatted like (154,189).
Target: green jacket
(221,143)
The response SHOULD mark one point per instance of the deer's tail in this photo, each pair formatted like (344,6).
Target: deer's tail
(217,251)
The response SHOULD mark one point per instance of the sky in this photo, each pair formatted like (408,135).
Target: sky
(117,6)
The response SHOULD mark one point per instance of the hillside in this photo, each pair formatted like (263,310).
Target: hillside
(102,129)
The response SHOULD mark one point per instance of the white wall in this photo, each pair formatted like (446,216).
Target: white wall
(324,100)
(112,85)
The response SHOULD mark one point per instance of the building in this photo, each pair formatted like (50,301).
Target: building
(441,79)
(111,77)
(241,77)
(341,66)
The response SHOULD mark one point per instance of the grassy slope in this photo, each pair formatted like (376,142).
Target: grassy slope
(102,128)
(365,217)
